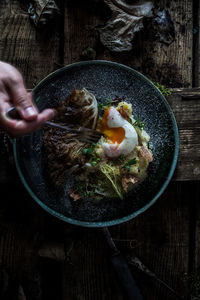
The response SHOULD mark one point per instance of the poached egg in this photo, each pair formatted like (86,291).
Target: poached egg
(120,136)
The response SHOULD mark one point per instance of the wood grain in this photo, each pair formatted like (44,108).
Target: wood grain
(160,238)
(196,43)
(80,32)
(185,105)
(33,53)
(167,64)
(195,238)
(195,230)
(88,269)
(173,63)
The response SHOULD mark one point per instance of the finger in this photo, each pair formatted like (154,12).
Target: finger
(7,124)
(23,127)
(17,128)
(4,102)
(22,100)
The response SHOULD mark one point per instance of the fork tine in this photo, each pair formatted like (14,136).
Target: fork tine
(84,137)
(94,137)
(90,138)
(93,133)
(83,134)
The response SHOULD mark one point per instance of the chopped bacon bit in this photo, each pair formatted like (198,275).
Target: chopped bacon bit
(128,179)
(74,196)
(144,152)
(123,113)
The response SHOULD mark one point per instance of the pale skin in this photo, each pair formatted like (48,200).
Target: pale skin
(14,93)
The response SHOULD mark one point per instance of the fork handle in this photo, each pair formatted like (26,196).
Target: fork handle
(13,114)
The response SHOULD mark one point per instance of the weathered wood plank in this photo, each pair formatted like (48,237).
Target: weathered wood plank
(80,19)
(87,272)
(172,65)
(195,232)
(196,43)
(195,206)
(18,240)
(160,238)
(24,226)
(195,250)
(167,64)
(186,107)
(33,53)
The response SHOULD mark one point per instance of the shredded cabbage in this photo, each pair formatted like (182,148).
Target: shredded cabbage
(112,174)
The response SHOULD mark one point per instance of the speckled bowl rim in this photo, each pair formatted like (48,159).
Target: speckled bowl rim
(134,214)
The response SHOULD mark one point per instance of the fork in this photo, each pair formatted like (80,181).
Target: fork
(83,134)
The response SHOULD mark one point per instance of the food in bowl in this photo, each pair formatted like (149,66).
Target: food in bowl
(112,166)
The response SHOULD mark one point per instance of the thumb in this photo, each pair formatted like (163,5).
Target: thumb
(22,101)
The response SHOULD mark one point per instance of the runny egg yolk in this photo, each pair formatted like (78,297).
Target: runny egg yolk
(113,135)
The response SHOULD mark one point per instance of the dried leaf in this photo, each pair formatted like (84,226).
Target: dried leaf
(21,294)
(42,12)
(53,250)
(136,262)
(126,20)
(164,27)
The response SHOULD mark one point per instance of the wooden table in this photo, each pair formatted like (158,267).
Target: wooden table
(43,258)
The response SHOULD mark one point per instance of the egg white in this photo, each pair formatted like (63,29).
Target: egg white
(130,140)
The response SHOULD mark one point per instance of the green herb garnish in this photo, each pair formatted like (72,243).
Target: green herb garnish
(87,194)
(118,160)
(105,104)
(138,122)
(128,164)
(82,189)
(78,188)
(121,158)
(162,88)
(89,153)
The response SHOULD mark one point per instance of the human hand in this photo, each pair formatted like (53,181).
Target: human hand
(13,93)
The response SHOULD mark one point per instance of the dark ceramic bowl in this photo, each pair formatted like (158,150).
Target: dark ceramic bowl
(104,79)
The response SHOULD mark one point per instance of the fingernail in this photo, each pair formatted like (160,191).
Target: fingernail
(29,111)
(53,113)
